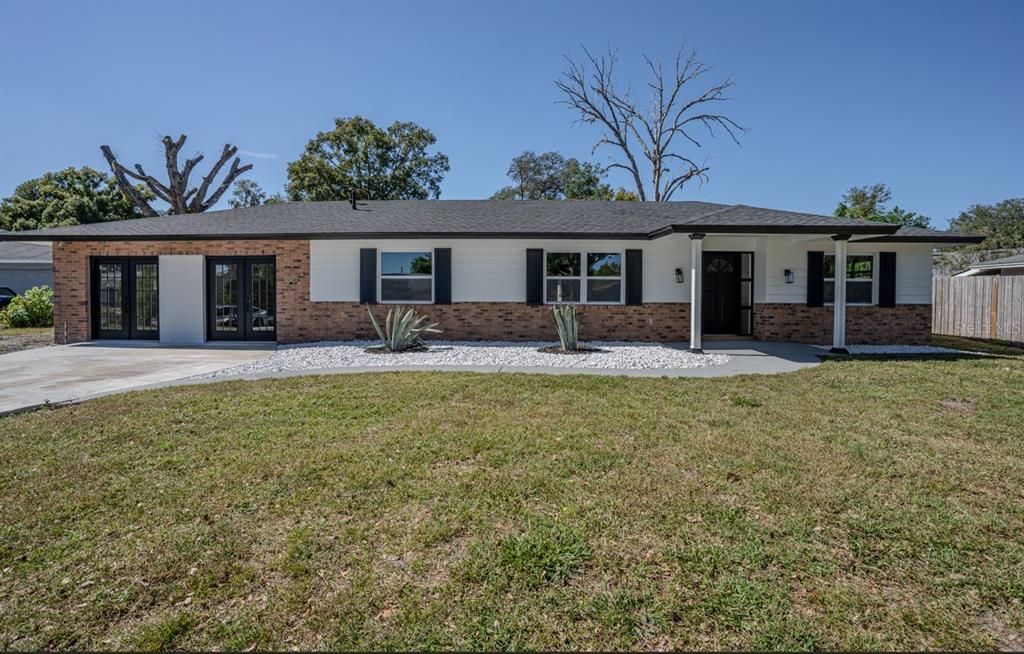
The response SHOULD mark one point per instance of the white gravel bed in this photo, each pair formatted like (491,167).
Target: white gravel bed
(898,349)
(353,354)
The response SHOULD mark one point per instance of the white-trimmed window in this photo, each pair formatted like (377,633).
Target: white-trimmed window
(407,277)
(583,277)
(860,278)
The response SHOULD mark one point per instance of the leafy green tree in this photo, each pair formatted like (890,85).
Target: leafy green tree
(550,176)
(1001,224)
(378,164)
(535,177)
(73,196)
(248,193)
(582,181)
(869,203)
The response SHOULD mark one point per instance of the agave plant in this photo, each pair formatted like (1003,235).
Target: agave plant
(565,321)
(403,329)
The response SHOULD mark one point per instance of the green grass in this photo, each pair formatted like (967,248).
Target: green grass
(1005,348)
(862,504)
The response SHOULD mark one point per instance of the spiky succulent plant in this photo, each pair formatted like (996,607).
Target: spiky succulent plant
(403,329)
(565,321)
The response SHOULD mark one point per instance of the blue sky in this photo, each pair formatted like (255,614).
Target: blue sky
(926,97)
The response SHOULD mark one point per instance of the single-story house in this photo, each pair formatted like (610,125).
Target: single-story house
(1003,266)
(25,265)
(675,271)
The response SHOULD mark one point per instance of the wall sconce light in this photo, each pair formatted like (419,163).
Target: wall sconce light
(790,277)
(679,275)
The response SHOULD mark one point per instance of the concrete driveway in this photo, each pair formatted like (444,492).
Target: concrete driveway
(64,373)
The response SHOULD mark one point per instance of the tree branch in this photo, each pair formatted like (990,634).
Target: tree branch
(120,174)
(594,97)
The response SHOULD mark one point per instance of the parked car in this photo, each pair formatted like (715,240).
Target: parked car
(6,295)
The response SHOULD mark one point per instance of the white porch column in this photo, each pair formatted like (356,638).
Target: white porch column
(839,297)
(696,290)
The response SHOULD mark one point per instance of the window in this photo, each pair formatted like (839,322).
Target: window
(407,277)
(860,278)
(585,277)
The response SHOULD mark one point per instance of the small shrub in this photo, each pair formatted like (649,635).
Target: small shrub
(33,308)
(403,329)
(565,322)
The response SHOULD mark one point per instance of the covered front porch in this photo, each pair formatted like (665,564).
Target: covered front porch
(733,278)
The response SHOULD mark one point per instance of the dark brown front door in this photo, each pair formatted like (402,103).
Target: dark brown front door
(721,295)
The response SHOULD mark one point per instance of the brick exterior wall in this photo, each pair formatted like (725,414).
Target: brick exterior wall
(909,324)
(299,320)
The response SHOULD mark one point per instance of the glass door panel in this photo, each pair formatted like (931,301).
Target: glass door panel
(226,299)
(146,297)
(262,298)
(111,290)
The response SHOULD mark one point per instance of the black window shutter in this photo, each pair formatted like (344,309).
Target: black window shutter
(634,276)
(534,276)
(368,276)
(886,279)
(442,275)
(815,279)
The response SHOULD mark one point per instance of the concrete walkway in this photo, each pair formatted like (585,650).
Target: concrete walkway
(72,373)
(69,373)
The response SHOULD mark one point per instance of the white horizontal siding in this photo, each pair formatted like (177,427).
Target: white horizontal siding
(494,270)
(913,268)
(490,270)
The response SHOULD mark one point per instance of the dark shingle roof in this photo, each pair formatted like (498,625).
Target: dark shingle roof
(1014,261)
(11,251)
(908,234)
(465,219)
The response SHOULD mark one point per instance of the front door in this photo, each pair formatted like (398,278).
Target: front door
(125,298)
(721,296)
(241,299)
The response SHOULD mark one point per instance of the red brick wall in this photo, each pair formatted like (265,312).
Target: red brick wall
(300,320)
(510,321)
(71,275)
(905,323)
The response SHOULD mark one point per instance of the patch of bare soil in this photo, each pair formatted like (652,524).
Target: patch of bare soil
(962,407)
(24,341)
(557,349)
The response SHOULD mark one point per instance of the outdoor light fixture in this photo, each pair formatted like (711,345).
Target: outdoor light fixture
(790,277)
(679,275)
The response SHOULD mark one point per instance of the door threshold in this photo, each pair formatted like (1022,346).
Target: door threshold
(728,337)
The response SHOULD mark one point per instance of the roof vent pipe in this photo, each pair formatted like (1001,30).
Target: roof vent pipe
(352,197)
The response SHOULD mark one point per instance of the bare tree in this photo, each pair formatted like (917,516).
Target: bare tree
(176,192)
(649,134)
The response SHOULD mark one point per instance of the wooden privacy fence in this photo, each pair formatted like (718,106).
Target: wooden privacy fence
(979,307)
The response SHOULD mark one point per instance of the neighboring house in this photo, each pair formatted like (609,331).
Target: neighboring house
(25,265)
(1004,266)
(303,271)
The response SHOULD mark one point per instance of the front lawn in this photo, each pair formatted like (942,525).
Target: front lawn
(862,504)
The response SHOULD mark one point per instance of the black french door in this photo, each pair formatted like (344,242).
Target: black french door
(125,297)
(241,296)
